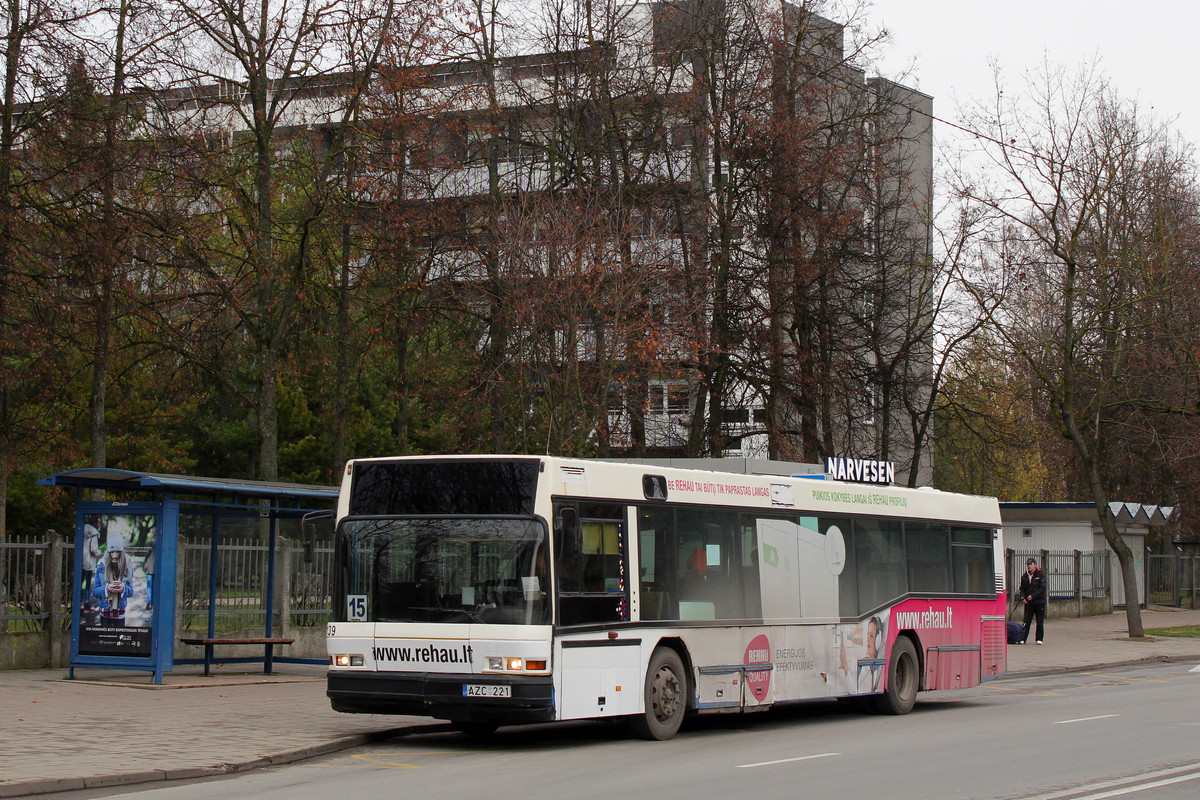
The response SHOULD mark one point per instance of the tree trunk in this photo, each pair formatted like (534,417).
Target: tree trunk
(1133,612)
(267,319)
(341,367)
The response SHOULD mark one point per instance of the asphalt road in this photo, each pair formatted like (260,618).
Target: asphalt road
(1085,736)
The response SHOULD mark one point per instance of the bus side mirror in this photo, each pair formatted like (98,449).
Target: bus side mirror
(310,541)
(309,526)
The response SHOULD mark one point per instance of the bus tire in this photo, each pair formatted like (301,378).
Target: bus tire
(903,680)
(665,695)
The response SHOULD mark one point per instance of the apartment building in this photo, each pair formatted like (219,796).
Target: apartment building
(738,216)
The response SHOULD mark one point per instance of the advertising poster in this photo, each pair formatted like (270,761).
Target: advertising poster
(117,584)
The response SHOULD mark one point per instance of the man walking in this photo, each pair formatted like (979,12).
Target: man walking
(1033,592)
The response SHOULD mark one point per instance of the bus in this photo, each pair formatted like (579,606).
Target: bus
(494,590)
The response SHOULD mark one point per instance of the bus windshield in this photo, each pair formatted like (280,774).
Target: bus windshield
(447,570)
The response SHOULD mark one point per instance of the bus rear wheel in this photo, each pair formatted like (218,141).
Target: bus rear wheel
(666,693)
(903,680)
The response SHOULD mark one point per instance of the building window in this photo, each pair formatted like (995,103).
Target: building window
(670,399)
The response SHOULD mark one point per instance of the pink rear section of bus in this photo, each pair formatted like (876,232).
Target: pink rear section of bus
(961,643)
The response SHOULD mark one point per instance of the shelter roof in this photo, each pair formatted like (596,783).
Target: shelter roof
(126,480)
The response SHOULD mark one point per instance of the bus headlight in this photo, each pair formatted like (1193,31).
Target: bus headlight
(347,660)
(514,664)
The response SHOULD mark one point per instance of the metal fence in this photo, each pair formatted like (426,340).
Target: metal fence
(1070,574)
(311,596)
(27,585)
(240,575)
(28,590)
(1173,580)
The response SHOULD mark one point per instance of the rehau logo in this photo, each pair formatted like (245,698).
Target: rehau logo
(429,654)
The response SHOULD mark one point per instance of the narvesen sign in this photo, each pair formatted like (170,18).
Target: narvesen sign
(860,470)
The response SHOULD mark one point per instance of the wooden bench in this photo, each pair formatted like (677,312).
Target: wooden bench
(268,652)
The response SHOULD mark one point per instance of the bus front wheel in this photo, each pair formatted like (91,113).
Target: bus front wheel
(903,680)
(666,694)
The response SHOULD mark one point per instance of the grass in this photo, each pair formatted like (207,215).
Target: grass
(1188,631)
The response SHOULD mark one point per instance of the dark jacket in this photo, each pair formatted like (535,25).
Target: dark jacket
(1033,587)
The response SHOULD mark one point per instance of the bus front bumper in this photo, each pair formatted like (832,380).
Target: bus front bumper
(441,696)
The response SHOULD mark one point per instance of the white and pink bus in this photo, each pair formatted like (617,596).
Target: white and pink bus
(490,590)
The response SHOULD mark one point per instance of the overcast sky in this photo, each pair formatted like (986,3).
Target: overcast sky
(1150,50)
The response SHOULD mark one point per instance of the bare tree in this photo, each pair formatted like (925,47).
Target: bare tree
(265,68)
(87,158)
(408,225)
(1081,258)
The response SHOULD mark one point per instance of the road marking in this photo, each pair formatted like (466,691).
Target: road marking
(786,760)
(1129,678)
(1195,668)
(1126,784)
(384,759)
(375,761)
(1141,787)
(1085,719)
(1020,690)
(1013,683)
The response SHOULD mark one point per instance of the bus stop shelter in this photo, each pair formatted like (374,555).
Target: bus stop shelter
(129,562)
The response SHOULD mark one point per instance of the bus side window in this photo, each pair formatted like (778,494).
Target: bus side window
(656,554)
(928,548)
(710,583)
(592,584)
(848,580)
(601,557)
(971,555)
(879,563)
(751,588)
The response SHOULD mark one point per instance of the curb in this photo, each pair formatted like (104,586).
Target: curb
(1133,662)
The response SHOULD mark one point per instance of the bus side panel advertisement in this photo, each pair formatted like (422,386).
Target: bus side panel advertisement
(942,622)
(816,661)
(758,681)
(958,653)
(801,656)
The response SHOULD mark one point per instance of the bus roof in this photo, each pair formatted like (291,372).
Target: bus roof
(625,481)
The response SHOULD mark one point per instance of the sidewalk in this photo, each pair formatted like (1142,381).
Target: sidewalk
(1078,644)
(110,728)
